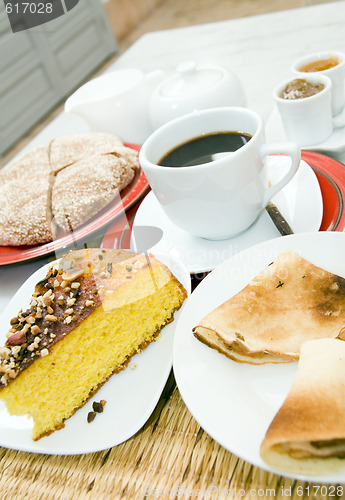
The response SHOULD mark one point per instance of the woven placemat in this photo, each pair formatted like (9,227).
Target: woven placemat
(170,457)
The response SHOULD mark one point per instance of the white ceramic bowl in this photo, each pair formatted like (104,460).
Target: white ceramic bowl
(335,73)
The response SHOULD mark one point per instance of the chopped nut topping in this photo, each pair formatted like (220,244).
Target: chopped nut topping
(44,352)
(68,320)
(48,298)
(75,285)
(17,338)
(72,274)
(50,310)
(51,317)
(15,350)
(56,283)
(35,329)
(25,328)
(60,300)
(4,352)
(71,301)
(38,314)
(69,311)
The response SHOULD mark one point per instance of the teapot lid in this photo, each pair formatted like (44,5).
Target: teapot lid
(190,79)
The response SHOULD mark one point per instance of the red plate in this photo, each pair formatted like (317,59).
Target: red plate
(330,174)
(129,196)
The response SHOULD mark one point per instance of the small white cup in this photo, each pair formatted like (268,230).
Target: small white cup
(222,198)
(336,74)
(307,120)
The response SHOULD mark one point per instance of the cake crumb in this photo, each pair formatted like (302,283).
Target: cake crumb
(132,366)
(91,416)
(98,406)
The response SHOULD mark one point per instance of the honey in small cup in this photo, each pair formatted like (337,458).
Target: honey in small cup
(328,63)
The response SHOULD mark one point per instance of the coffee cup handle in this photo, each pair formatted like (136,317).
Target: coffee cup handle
(290,149)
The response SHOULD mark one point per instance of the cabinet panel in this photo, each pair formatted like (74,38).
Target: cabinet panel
(79,49)
(41,66)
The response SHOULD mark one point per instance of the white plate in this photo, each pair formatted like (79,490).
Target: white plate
(275,132)
(300,202)
(131,395)
(235,402)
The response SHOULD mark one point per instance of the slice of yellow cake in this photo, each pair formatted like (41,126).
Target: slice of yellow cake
(84,323)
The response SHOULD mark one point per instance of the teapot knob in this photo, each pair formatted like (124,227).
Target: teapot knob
(187,67)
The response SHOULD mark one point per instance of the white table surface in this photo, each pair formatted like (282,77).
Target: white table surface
(259,49)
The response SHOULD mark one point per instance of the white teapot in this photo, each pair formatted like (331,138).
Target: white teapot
(117,102)
(194,87)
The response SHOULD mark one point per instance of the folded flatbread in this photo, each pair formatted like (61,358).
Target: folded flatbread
(289,302)
(307,435)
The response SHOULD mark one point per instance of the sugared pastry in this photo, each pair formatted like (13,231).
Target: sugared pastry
(25,193)
(69,149)
(82,189)
(87,171)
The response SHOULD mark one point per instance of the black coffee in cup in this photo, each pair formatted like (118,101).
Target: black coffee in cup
(204,149)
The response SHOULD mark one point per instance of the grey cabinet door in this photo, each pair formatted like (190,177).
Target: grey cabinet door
(39,67)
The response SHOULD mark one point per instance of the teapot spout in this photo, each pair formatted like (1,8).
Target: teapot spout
(72,106)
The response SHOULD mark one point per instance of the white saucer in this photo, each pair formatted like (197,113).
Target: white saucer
(275,132)
(300,202)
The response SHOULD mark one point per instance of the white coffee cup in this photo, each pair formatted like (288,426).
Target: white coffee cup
(218,199)
(335,73)
(307,120)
